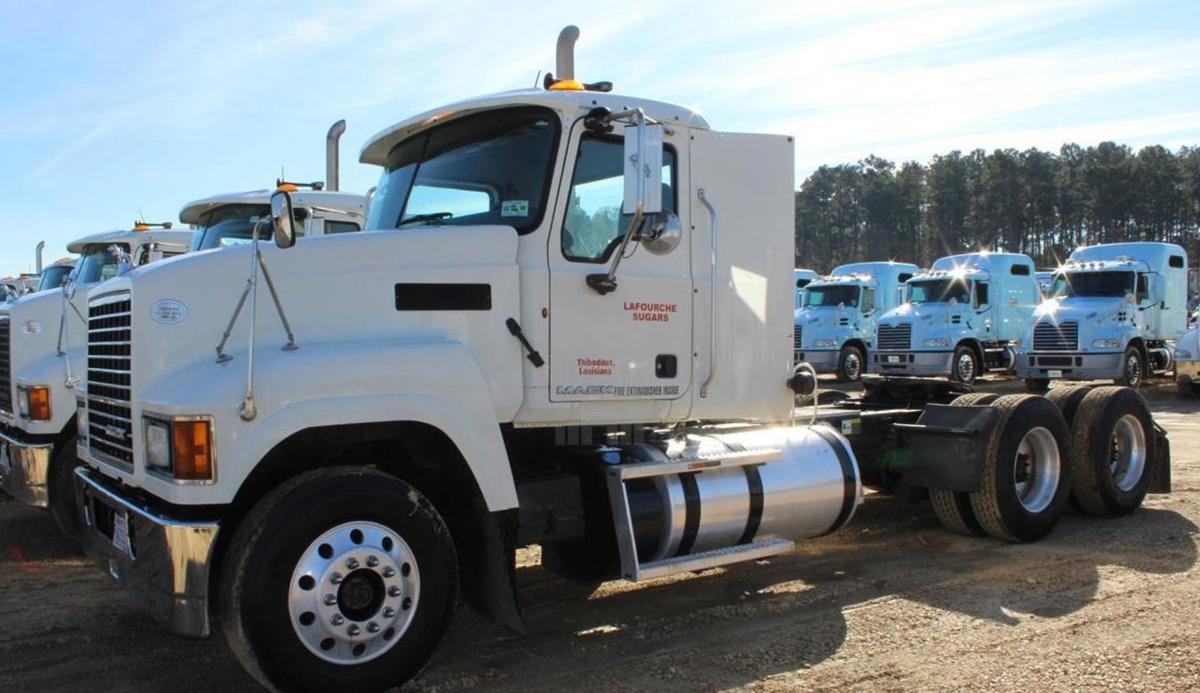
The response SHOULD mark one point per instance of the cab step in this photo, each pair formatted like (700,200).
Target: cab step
(709,559)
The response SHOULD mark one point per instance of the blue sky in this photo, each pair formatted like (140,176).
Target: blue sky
(112,108)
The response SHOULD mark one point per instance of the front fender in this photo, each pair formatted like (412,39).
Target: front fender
(50,370)
(434,382)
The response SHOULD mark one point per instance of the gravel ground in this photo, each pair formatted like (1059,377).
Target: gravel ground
(891,602)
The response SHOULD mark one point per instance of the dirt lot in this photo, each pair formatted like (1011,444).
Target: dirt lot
(891,602)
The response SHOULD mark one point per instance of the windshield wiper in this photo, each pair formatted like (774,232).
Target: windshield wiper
(425,218)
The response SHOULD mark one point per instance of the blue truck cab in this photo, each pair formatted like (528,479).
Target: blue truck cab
(962,317)
(1114,311)
(803,278)
(835,326)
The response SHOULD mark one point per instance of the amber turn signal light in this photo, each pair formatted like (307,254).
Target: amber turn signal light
(192,450)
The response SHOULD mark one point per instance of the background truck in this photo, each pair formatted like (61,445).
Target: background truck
(803,277)
(42,357)
(515,365)
(963,316)
(1187,362)
(1115,311)
(55,275)
(835,328)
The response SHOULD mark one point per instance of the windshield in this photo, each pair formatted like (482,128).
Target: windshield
(53,277)
(938,291)
(97,264)
(488,168)
(831,296)
(230,225)
(1098,284)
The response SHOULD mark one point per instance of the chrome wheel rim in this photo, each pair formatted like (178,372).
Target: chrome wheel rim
(1037,469)
(353,592)
(1127,460)
(966,367)
(1133,369)
(853,366)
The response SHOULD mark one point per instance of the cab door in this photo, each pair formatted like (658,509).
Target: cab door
(635,343)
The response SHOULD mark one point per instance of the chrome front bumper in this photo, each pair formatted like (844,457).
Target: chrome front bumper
(163,563)
(921,363)
(24,469)
(1070,366)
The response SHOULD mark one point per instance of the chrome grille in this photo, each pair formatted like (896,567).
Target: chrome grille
(5,367)
(898,338)
(1050,337)
(110,421)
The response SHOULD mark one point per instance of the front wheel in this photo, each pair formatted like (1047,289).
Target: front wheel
(1133,369)
(851,361)
(342,578)
(60,487)
(964,366)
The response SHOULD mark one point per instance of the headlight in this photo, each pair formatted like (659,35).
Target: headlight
(158,445)
(1106,344)
(181,448)
(937,342)
(828,343)
(33,402)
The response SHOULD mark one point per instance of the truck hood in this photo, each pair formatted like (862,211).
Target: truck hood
(1187,348)
(1080,309)
(34,326)
(922,313)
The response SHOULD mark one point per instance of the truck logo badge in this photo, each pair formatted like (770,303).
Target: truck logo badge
(115,432)
(31,327)
(168,311)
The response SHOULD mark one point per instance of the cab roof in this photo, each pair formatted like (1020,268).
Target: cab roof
(349,202)
(171,236)
(568,103)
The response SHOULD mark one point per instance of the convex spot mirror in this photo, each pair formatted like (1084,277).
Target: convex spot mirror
(283,222)
(661,233)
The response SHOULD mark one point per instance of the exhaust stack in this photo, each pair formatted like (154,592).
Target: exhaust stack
(331,154)
(38,262)
(564,67)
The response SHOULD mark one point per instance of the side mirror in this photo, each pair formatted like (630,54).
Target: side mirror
(1130,299)
(283,222)
(643,168)
(953,301)
(662,233)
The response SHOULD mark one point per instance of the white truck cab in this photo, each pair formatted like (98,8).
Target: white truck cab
(1114,311)
(964,316)
(42,357)
(835,327)
(226,220)
(55,275)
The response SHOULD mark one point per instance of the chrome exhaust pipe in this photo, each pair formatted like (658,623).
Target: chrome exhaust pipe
(331,154)
(38,262)
(564,67)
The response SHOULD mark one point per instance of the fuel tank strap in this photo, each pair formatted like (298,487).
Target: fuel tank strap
(849,478)
(754,516)
(691,524)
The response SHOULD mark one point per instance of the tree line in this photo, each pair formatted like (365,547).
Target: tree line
(1040,203)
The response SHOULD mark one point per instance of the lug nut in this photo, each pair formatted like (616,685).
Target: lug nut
(337,619)
(372,627)
(354,629)
(329,600)
(351,563)
(336,578)
(389,571)
(389,612)
(372,561)
(393,591)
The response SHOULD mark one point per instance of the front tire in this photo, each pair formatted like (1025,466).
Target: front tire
(1026,478)
(341,578)
(964,366)
(851,362)
(60,484)
(1133,369)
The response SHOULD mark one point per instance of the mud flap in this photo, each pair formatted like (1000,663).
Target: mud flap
(489,577)
(946,447)
(1160,471)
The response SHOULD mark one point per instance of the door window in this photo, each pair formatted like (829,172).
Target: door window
(595,226)
(332,227)
(868,300)
(981,294)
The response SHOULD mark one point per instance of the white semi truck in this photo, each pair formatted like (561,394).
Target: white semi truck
(835,328)
(568,324)
(1114,312)
(42,344)
(963,317)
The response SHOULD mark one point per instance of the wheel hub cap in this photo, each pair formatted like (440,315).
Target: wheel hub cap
(353,592)
(852,366)
(966,367)
(1037,469)
(1127,460)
